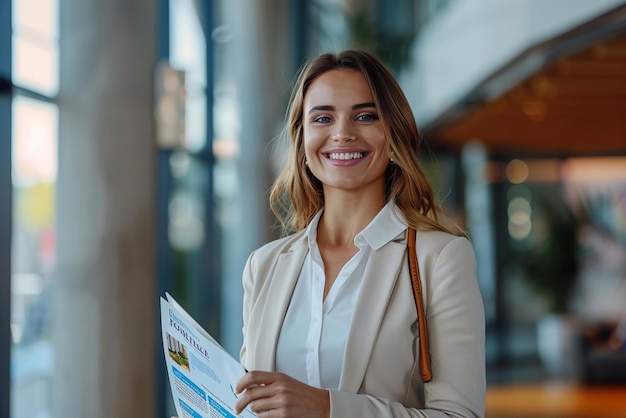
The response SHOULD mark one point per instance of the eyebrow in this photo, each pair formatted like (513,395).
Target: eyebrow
(355,107)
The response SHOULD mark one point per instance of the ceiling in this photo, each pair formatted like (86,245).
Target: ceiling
(564,97)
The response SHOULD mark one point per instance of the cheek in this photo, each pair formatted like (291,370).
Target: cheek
(310,142)
(380,139)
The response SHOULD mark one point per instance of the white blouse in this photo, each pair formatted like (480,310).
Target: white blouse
(313,337)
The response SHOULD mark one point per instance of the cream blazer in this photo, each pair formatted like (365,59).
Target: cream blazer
(380,375)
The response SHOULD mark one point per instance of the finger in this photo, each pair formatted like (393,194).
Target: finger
(252,395)
(264,405)
(254,378)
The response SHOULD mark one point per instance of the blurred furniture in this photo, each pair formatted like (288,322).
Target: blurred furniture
(556,400)
(603,354)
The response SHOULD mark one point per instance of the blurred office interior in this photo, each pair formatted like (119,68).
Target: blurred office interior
(137,148)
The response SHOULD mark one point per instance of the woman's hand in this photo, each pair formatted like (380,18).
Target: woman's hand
(278,395)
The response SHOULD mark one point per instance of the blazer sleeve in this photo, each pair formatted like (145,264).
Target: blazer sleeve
(456,329)
(248,285)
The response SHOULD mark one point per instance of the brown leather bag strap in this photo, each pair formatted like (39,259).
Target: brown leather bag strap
(424,359)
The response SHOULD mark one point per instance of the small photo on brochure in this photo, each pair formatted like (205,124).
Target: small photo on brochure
(177,351)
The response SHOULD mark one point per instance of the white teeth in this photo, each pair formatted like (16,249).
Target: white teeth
(345,155)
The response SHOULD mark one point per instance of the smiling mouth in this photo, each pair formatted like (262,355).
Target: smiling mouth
(345,155)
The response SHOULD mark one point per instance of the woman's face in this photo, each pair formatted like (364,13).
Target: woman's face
(344,141)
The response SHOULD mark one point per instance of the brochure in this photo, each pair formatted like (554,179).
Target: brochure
(202,374)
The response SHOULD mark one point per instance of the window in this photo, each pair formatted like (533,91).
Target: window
(34,119)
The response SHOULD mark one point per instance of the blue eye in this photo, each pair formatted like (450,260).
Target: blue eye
(322,119)
(367,117)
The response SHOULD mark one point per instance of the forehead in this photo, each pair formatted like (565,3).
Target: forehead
(341,85)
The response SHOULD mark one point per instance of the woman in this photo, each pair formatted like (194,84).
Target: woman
(330,321)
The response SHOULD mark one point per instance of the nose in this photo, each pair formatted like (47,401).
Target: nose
(343,132)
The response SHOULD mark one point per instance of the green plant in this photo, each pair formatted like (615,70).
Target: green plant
(552,262)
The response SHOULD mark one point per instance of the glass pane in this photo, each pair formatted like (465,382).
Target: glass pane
(188,209)
(188,53)
(36,16)
(35,45)
(35,66)
(34,178)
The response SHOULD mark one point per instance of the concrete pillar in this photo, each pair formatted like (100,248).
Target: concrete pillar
(259,63)
(105,297)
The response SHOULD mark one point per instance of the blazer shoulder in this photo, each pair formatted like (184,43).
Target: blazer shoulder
(272,249)
(436,241)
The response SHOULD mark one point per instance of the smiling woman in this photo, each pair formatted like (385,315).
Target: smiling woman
(330,320)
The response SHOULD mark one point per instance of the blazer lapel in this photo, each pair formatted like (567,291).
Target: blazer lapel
(378,282)
(278,295)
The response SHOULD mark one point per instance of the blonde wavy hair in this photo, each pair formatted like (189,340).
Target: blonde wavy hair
(296,195)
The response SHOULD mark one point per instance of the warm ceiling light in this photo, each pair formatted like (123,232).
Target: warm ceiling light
(599,51)
(536,110)
(516,171)
(543,87)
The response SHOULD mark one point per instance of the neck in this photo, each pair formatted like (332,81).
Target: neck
(344,218)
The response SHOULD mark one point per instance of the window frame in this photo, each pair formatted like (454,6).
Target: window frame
(205,275)
(6,204)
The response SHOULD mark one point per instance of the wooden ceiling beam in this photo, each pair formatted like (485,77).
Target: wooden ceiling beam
(577,86)
(589,68)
